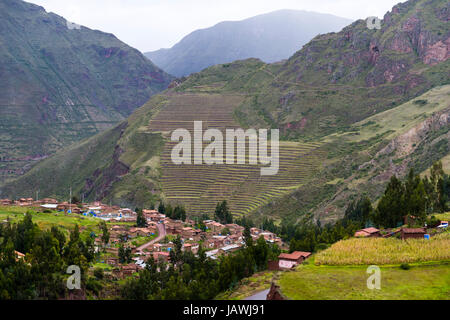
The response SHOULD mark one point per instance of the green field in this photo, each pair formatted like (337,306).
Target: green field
(398,120)
(442,216)
(311,282)
(47,220)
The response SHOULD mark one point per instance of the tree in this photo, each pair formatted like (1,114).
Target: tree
(391,207)
(141,222)
(162,208)
(358,211)
(247,237)
(75,200)
(105,233)
(222,213)
(124,254)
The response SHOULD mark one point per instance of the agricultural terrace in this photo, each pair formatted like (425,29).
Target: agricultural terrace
(201,187)
(385,251)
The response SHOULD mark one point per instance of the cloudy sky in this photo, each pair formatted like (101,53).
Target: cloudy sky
(152,24)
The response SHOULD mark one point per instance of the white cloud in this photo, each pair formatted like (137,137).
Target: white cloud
(152,24)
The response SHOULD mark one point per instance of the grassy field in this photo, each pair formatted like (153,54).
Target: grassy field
(249,286)
(311,282)
(47,220)
(384,251)
(442,216)
(400,119)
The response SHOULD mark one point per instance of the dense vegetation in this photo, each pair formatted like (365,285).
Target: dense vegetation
(49,253)
(416,197)
(191,277)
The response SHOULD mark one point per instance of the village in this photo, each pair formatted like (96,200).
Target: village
(155,239)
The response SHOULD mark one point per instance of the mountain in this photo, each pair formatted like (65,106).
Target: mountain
(353,108)
(60,83)
(270,37)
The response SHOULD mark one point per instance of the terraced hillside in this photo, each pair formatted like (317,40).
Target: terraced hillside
(353,108)
(60,85)
(200,187)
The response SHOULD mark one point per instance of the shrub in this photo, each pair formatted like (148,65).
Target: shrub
(94,286)
(405,266)
(98,273)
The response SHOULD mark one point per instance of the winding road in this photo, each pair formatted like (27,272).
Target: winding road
(161,234)
(262,295)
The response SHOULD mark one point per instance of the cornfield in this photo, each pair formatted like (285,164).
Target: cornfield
(357,251)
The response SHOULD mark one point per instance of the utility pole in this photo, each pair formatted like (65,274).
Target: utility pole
(70,200)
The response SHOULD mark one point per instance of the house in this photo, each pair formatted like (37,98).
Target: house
(234,228)
(228,249)
(214,226)
(112,261)
(212,254)
(368,232)
(268,236)
(19,255)
(126,211)
(220,241)
(173,227)
(6,202)
(443,224)
(129,269)
(75,210)
(154,216)
(141,232)
(290,260)
(25,202)
(413,233)
(49,206)
(49,201)
(164,256)
(188,232)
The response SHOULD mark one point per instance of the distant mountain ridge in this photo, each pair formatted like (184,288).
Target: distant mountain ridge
(60,83)
(270,37)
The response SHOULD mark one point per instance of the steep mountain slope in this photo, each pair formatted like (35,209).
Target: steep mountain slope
(270,37)
(341,135)
(60,83)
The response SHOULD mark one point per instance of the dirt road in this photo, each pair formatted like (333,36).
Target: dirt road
(161,235)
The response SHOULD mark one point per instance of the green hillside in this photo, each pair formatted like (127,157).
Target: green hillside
(353,108)
(61,84)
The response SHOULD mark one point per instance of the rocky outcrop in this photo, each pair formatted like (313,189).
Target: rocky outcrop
(275,293)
